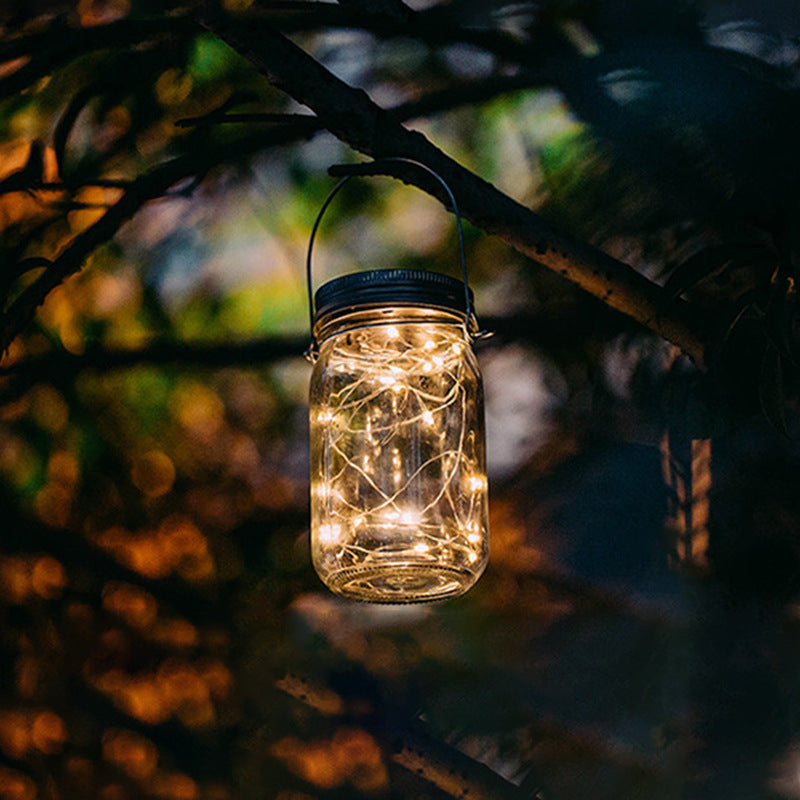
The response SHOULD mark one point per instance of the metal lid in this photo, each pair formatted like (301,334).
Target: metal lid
(393,287)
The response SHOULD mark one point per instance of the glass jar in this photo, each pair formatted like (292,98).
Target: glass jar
(399,496)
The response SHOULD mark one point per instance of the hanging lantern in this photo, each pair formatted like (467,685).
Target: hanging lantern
(399,496)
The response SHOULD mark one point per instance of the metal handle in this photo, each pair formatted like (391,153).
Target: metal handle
(312,350)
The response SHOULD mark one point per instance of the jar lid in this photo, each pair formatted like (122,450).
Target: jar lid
(390,286)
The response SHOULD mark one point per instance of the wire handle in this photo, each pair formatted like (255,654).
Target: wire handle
(361,169)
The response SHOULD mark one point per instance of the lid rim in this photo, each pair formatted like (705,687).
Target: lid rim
(397,286)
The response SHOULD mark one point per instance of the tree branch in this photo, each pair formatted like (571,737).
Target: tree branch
(301,122)
(458,94)
(97,566)
(547,332)
(438,763)
(59,43)
(355,119)
(387,19)
(466,93)
(146,187)
(58,368)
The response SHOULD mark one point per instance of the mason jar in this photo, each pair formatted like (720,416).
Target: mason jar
(399,495)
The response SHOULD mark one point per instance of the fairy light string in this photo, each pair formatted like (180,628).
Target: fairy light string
(402,470)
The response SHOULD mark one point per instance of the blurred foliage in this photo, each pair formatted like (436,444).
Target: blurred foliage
(162,634)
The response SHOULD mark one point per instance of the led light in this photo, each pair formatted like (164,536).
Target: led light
(329,533)
(477,483)
(409,517)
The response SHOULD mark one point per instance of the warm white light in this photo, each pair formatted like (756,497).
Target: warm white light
(329,533)
(322,491)
(399,492)
(408,517)
(477,483)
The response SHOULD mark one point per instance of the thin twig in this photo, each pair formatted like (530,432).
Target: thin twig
(146,187)
(60,43)
(307,121)
(60,368)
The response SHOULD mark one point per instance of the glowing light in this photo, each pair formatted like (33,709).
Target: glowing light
(329,533)
(409,517)
(477,483)
(399,502)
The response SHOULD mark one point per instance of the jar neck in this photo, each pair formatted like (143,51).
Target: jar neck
(361,317)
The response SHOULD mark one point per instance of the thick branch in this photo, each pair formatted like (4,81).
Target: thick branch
(352,116)
(436,762)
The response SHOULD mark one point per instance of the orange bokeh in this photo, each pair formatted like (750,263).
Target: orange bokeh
(23,732)
(133,754)
(136,606)
(24,577)
(351,755)
(16,786)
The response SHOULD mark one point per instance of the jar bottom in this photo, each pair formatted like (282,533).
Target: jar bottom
(400,582)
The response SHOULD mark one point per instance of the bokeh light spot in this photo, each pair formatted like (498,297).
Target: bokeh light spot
(48,577)
(153,473)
